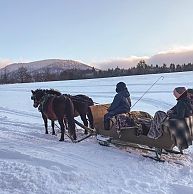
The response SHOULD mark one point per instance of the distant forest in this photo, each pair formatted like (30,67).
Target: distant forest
(23,76)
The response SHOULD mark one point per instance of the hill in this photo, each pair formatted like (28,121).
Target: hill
(54,65)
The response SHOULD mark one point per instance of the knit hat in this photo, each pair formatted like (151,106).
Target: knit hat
(179,91)
(190,91)
(120,86)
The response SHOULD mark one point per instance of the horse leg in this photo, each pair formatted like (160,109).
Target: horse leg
(83,117)
(53,131)
(45,123)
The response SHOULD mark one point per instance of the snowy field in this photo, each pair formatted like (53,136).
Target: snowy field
(32,162)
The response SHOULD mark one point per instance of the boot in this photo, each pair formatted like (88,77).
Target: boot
(106,125)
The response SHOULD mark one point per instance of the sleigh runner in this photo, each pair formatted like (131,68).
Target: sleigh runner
(133,135)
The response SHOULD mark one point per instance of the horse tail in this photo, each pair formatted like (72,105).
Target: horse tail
(90,118)
(70,117)
(90,102)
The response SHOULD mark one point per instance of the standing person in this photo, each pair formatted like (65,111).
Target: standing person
(121,104)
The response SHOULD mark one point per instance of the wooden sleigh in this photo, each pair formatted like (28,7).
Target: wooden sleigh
(163,145)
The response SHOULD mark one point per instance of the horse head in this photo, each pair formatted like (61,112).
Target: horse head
(37,96)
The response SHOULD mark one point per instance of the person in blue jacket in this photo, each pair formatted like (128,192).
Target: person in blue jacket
(121,104)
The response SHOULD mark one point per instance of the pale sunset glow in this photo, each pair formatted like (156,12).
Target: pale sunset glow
(105,34)
(178,49)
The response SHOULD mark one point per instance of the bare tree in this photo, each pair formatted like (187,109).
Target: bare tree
(22,75)
(4,77)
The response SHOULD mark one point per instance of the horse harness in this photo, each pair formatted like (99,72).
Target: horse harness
(78,99)
(47,110)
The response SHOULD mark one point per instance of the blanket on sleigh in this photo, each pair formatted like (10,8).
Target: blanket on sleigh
(181,131)
(131,119)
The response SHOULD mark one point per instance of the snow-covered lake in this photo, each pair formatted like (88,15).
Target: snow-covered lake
(33,162)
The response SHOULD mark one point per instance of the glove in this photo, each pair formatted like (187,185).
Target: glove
(169,112)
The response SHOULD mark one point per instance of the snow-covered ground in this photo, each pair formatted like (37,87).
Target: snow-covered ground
(33,162)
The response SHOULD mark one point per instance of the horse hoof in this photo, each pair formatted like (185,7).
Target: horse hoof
(61,140)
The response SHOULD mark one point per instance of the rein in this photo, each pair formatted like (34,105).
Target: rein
(38,101)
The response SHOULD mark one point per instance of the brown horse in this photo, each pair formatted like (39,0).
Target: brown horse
(81,105)
(54,107)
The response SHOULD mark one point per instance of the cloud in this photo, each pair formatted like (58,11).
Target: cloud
(171,57)
(5,62)
(178,49)
(176,54)
(119,62)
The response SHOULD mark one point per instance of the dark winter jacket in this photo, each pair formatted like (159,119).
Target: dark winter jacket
(191,100)
(182,109)
(121,102)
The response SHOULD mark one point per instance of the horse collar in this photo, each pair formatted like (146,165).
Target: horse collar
(43,101)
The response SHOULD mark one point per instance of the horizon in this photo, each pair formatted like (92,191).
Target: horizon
(114,64)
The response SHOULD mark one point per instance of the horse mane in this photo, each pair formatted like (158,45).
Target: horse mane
(80,98)
(53,91)
(68,95)
(49,91)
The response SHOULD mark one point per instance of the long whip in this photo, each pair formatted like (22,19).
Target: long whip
(148,90)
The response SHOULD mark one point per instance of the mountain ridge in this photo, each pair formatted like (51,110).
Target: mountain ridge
(54,65)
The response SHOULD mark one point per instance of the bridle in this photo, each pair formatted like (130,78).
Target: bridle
(36,102)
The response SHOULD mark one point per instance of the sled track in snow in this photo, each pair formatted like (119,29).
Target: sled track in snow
(19,113)
(25,135)
(156,103)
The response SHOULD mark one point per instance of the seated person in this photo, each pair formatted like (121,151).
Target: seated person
(183,108)
(121,104)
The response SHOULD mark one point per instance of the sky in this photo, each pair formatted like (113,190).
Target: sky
(33,162)
(97,33)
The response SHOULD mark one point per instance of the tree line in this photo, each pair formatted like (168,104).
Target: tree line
(23,76)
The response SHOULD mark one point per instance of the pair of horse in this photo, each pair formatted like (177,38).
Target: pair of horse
(54,105)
